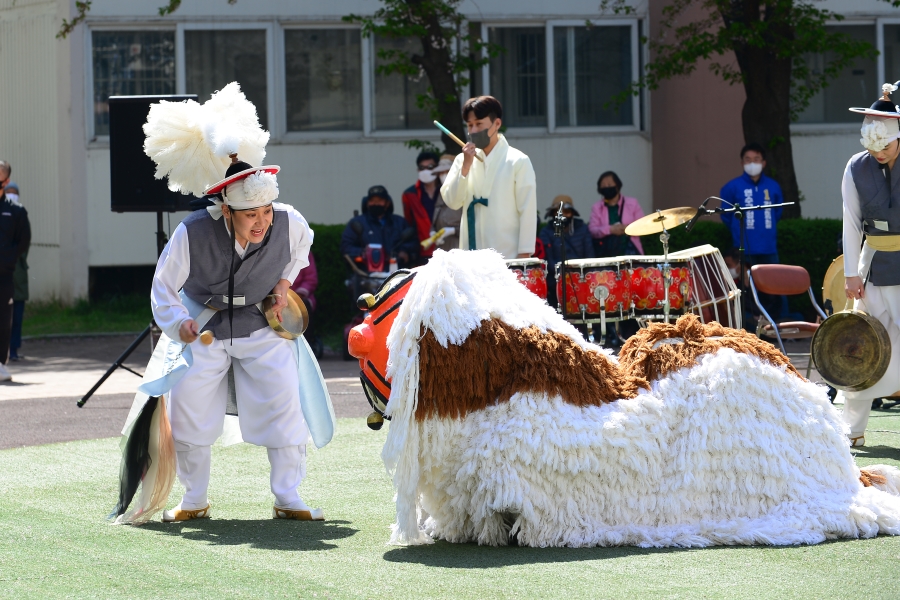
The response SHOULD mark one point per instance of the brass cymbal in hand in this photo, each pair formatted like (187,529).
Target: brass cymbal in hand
(655,221)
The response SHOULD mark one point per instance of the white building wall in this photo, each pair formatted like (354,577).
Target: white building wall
(820,156)
(326,182)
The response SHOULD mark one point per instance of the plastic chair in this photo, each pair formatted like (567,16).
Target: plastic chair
(783,280)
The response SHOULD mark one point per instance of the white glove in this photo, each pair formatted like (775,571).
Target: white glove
(440,240)
(448,231)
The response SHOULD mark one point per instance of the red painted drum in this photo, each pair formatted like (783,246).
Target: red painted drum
(532,273)
(647,294)
(596,285)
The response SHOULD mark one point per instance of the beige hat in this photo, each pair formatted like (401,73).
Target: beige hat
(444,164)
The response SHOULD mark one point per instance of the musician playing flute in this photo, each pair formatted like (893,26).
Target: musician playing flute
(871,191)
(497,194)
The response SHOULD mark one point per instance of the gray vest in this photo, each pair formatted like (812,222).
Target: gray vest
(879,201)
(254,277)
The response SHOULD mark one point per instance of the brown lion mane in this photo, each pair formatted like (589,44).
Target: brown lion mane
(498,360)
(646,355)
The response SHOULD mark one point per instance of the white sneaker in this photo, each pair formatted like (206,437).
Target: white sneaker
(4,374)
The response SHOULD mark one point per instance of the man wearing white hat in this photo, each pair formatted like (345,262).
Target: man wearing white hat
(871,191)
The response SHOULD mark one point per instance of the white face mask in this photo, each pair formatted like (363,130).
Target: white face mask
(426,176)
(753,169)
(13,197)
(734,272)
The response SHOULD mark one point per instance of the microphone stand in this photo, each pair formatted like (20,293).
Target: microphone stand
(558,224)
(738,211)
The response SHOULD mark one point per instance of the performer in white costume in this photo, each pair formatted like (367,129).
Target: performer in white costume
(871,191)
(497,194)
(213,275)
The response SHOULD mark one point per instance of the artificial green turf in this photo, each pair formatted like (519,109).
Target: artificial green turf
(54,541)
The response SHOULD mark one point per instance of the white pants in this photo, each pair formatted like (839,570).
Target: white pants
(288,468)
(268,399)
(266,386)
(883,303)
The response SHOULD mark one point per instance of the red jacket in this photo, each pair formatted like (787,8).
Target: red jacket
(416,215)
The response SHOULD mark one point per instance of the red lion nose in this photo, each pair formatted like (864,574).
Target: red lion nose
(361,341)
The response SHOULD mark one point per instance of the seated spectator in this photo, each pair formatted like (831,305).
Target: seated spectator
(445,217)
(610,216)
(419,200)
(306,283)
(575,233)
(378,234)
(577,240)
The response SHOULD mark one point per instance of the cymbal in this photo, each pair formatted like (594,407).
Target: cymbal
(654,222)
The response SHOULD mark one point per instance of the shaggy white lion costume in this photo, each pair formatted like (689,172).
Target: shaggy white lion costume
(507,424)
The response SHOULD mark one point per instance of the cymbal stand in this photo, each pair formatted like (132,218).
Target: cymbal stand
(666,269)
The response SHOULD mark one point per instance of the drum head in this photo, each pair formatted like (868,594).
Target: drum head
(294,318)
(833,286)
(851,350)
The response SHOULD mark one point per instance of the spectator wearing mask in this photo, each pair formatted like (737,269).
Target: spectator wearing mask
(445,217)
(15,237)
(610,216)
(378,225)
(755,188)
(420,199)
(20,286)
(575,233)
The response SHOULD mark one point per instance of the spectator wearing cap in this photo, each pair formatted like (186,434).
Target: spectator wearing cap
(380,226)
(15,237)
(576,235)
(445,217)
(610,216)
(20,285)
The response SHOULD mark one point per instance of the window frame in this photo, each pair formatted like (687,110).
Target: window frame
(825,128)
(94,140)
(300,137)
(274,108)
(634,24)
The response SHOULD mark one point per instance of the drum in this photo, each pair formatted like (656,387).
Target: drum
(532,273)
(714,293)
(647,293)
(595,285)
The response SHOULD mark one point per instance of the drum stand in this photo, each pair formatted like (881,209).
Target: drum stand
(559,223)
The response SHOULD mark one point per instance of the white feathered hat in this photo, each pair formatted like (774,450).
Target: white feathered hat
(882,123)
(196,145)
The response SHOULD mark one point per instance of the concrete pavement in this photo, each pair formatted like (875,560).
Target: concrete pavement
(39,405)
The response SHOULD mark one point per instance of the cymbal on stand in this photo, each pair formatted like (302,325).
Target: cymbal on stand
(656,221)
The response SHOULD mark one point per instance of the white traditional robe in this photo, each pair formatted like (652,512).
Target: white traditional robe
(881,302)
(508,223)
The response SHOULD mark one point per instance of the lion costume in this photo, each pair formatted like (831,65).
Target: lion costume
(507,425)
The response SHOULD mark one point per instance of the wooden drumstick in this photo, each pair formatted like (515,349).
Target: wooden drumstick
(207,338)
(461,143)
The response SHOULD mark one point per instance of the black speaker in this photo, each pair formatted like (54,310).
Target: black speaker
(133,187)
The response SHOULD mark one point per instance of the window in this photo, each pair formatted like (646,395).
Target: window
(855,86)
(518,76)
(396,95)
(213,59)
(323,79)
(891,54)
(592,65)
(130,63)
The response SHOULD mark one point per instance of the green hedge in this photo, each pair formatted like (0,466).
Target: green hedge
(334,306)
(809,243)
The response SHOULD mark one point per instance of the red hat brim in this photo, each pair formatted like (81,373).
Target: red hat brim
(218,187)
